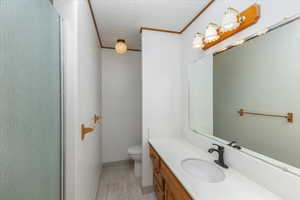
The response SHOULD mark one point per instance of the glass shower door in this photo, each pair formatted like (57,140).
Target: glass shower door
(30,135)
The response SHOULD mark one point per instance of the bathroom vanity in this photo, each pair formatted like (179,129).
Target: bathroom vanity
(166,185)
(244,98)
(172,181)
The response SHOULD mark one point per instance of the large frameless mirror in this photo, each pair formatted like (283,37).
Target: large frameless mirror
(249,93)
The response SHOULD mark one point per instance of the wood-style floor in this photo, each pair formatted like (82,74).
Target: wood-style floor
(119,183)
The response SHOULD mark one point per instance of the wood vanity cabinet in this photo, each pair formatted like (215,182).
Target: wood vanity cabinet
(165,183)
(169,194)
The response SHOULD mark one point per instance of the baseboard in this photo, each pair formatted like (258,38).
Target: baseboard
(147,190)
(117,163)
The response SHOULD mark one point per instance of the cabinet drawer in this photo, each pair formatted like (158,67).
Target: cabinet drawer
(173,184)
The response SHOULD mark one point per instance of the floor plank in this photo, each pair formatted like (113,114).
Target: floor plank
(119,183)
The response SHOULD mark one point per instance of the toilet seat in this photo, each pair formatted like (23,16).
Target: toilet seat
(135,149)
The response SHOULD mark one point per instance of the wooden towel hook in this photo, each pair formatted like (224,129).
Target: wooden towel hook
(85,131)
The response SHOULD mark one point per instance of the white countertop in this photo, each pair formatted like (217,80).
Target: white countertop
(235,186)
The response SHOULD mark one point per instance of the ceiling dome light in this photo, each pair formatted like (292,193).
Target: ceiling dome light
(231,20)
(198,42)
(211,33)
(121,46)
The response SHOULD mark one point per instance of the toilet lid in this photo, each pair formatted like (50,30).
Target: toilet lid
(135,150)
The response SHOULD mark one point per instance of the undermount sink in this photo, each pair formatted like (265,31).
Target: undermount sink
(203,170)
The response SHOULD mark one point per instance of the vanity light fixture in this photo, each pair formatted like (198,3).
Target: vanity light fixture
(232,20)
(121,46)
(211,33)
(198,42)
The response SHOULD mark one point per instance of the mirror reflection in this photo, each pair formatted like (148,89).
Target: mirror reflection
(250,94)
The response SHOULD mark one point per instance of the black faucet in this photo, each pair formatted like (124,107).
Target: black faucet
(220,151)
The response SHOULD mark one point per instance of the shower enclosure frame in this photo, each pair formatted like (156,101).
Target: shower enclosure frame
(61,110)
(61,104)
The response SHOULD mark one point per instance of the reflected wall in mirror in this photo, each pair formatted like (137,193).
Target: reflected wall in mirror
(262,75)
(201,100)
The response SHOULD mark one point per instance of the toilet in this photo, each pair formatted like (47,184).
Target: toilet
(135,153)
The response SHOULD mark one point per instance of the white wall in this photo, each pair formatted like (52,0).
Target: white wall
(89,63)
(121,103)
(82,65)
(275,180)
(162,113)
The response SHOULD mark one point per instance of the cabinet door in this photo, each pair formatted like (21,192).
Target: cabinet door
(158,190)
(169,194)
(174,186)
(155,159)
(159,179)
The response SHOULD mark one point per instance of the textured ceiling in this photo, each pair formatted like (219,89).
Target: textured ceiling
(124,18)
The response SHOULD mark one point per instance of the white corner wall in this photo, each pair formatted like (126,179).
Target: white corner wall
(82,95)
(89,64)
(162,91)
(281,183)
(121,103)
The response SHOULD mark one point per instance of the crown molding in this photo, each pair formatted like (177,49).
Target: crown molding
(159,30)
(198,15)
(95,22)
(185,27)
(148,28)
